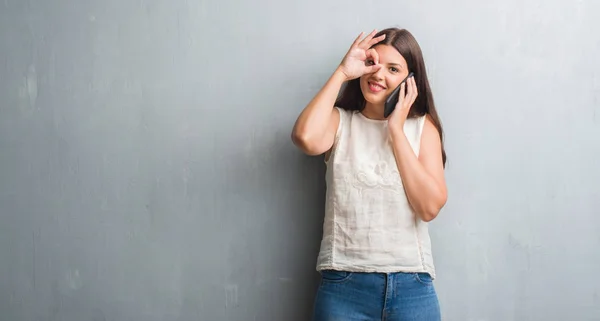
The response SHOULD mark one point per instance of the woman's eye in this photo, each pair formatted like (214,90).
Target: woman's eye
(394,69)
(370,62)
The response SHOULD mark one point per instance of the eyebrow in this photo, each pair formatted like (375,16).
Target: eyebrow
(395,64)
(391,64)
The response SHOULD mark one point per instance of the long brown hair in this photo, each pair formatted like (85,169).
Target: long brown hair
(351,97)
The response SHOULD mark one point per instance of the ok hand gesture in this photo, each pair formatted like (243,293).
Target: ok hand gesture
(354,63)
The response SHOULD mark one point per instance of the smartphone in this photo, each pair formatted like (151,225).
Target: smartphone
(392,100)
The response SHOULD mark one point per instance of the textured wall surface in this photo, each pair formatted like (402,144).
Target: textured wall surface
(146,170)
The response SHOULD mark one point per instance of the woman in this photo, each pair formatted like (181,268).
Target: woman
(385,182)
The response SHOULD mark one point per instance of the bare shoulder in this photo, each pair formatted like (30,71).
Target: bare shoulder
(334,122)
(430,154)
(332,131)
(430,137)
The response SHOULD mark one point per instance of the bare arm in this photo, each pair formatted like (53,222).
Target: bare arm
(315,128)
(423,176)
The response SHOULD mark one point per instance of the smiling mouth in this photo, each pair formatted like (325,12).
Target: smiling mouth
(374,87)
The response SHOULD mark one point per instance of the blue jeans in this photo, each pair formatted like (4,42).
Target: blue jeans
(351,296)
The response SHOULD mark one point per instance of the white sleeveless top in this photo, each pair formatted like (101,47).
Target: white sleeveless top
(369,225)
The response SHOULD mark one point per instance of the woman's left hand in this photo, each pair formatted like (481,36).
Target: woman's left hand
(408,95)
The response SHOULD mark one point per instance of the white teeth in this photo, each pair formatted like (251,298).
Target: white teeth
(377,86)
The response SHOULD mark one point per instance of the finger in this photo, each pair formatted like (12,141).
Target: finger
(376,40)
(415,89)
(402,94)
(411,92)
(406,96)
(372,69)
(372,53)
(365,42)
(357,40)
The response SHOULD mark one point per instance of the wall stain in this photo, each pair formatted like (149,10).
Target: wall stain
(231,296)
(28,91)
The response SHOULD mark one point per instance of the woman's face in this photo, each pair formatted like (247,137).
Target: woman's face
(377,86)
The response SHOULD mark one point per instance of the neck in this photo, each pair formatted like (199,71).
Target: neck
(373,111)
